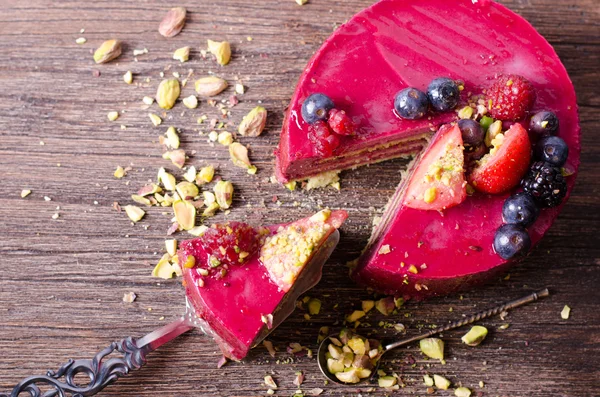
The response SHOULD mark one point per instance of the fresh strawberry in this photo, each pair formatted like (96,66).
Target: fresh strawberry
(340,122)
(438,181)
(510,97)
(324,140)
(231,243)
(503,167)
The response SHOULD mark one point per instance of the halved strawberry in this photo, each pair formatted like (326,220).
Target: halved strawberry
(504,166)
(438,181)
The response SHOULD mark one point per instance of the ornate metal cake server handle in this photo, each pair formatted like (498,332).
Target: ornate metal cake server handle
(102,370)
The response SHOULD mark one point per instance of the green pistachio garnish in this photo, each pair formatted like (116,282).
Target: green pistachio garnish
(210,86)
(167,93)
(314,306)
(441,382)
(432,347)
(462,392)
(108,51)
(182,54)
(185,214)
(134,213)
(428,380)
(172,140)
(224,194)
(254,122)
(187,190)
(355,315)
(475,336)
(221,50)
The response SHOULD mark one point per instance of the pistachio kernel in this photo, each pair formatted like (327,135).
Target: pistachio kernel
(205,175)
(367,305)
(225,138)
(185,214)
(465,113)
(441,382)
(210,209)
(164,269)
(171,246)
(182,54)
(112,116)
(190,262)
(210,86)
(148,100)
(177,157)
(141,200)
(221,50)
(462,392)
(270,382)
(239,155)
(254,122)
(167,93)
(427,380)
(81,40)
(209,197)
(301,2)
(475,335)
(119,172)
(173,22)
(155,119)
(565,313)
(190,102)
(355,315)
(134,213)
(187,190)
(128,77)
(198,230)
(314,306)
(172,140)
(432,347)
(387,381)
(25,193)
(190,174)
(108,51)
(224,194)
(167,179)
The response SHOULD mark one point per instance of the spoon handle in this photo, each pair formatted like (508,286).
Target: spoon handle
(473,318)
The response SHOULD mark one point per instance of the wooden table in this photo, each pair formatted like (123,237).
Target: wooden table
(63,280)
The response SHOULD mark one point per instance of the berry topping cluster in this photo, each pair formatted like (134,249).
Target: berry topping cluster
(442,95)
(327,123)
(232,243)
(510,97)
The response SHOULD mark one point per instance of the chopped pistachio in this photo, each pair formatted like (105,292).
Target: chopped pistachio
(430,195)
(149,189)
(462,392)
(198,230)
(209,197)
(224,194)
(221,50)
(254,122)
(128,77)
(291,186)
(441,382)
(119,172)
(134,213)
(25,193)
(465,113)
(190,262)
(314,306)
(129,297)
(321,216)
(432,347)
(428,380)
(185,214)
(385,249)
(190,174)
(494,130)
(413,269)
(210,86)
(270,382)
(137,52)
(112,116)
(301,2)
(239,155)
(385,305)
(210,209)
(173,22)
(148,100)
(565,313)
(350,376)
(155,119)
(486,122)
(205,175)
(108,51)
(187,190)
(141,200)
(171,246)
(177,157)
(475,336)
(367,305)
(355,315)
(213,136)
(164,269)
(387,381)
(225,138)
(322,180)
(172,140)
(167,179)
(81,40)
(190,102)
(167,93)
(182,54)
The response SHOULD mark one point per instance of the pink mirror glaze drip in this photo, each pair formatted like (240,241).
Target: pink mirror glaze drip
(398,43)
(232,307)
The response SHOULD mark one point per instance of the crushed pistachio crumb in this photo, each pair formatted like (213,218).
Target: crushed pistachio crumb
(81,40)
(156,120)
(25,193)
(221,50)
(129,297)
(134,213)
(190,102)
(565,313)
(148,100)
(385,249)
(182,54)
(112,116)
(128,77)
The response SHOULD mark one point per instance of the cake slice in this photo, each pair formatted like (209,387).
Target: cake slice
(375,91)
(244,281)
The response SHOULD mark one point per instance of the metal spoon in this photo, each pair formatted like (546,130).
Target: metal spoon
(103,370)
(322,359)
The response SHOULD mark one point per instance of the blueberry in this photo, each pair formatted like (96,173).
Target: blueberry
(411,103)
(520,209)
(552,149)
(443,94)
(472,133)
(544,122)
(511,241)
(316,108)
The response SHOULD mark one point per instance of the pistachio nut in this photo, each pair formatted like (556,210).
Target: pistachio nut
(177,157)
(134,213)
(108,51)
(171,246)
(385,381)
(270,382)
(205,175)
(210,209)
(301,2)
(427,380)
(239,88)
(182,54)
(167,93)
(441,382)
(167,179)
(221,50)
(141,200)
(355,315)
(190,174)
(291,186)
(565,313)
(149,189)
(254,122)
(239,155)
(210,86)
(225,138)
(367,305)
(224,194)
(185,214)
(475,335)
(190,102)
(148,100)
(462,392)
(172,140)
(25,193)
(493,131)
(187,190)
(81,40)
(432,347)
(112,116)
(213,136)
(119,172)
(164,269)
(209,197)
(128,77)
(385,305)
(156,120)
(314,306)
(198,230)
(173,22)
(465,113)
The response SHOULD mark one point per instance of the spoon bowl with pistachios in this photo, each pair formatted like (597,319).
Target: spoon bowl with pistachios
(348,358)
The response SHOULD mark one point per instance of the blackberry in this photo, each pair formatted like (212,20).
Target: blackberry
(545,184)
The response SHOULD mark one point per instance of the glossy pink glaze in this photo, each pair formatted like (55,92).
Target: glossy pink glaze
(398,43)
(232,306)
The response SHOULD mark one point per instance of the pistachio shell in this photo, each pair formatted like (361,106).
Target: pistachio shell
(221,50)
(173,22)
(210,86)
(185,213)
(167,93)
(254,122)
(108,51)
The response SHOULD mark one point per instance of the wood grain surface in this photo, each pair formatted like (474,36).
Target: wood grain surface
(62,281)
